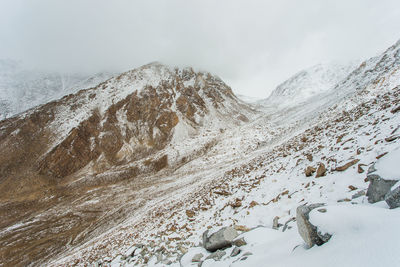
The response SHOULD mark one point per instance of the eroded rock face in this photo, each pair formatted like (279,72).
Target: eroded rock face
(221,239)
(308,231)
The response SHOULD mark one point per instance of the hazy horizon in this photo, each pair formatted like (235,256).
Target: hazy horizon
(252,45)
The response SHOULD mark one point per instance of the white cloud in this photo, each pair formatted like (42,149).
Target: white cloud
(254,45)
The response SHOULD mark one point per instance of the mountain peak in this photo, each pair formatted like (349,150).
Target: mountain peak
(308,83)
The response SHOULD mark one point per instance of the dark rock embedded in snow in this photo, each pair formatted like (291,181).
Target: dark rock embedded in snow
(378,188)
(308,231)
(392,198)
(221,239)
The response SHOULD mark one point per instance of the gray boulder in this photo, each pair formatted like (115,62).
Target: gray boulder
(217,255)
(221,239)
(378,188)
(197,257)
(308,231)
(392,198)
(236,251)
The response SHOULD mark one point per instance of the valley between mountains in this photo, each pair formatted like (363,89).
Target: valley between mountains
(132,171)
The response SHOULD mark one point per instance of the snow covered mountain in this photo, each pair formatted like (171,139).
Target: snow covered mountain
(138,125)
(22,89)
(308,83)
(134,171)
(339,134)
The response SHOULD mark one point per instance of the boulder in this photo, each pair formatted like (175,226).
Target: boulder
(217,255)
(275,223)
(309,171)
(221,239)
(308,231)
(378,188)
(392,198)
(347,165)
(321,171)
(236,251)
(197,257)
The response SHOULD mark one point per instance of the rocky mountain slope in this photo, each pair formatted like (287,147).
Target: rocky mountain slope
(131,129)
(22,89)
(313,152)
(308,83)
(134,171)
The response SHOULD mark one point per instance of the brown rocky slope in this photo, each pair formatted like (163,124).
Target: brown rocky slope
(118,131)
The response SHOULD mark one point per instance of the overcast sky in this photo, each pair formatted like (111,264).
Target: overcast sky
(252,45)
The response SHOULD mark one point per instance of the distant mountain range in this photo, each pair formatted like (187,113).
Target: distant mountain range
(22,89)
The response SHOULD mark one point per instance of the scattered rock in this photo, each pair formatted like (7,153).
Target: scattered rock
(308,231)
(222,193)
(347,165)
(241,228)
(352,187)
(309,171)
(344,200)
(217,255)
(381,155)
(378,188)
(358,194)
(275,223)
(322,210)
(190,213)
(237,203)
(197,257)
(321,171)
(253,204)
(239,242)
(396,109)
(220,239)
(309,157)
(236,251)
(392,138)
(285,226)
(246,255)
(359,168)
(392,198)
